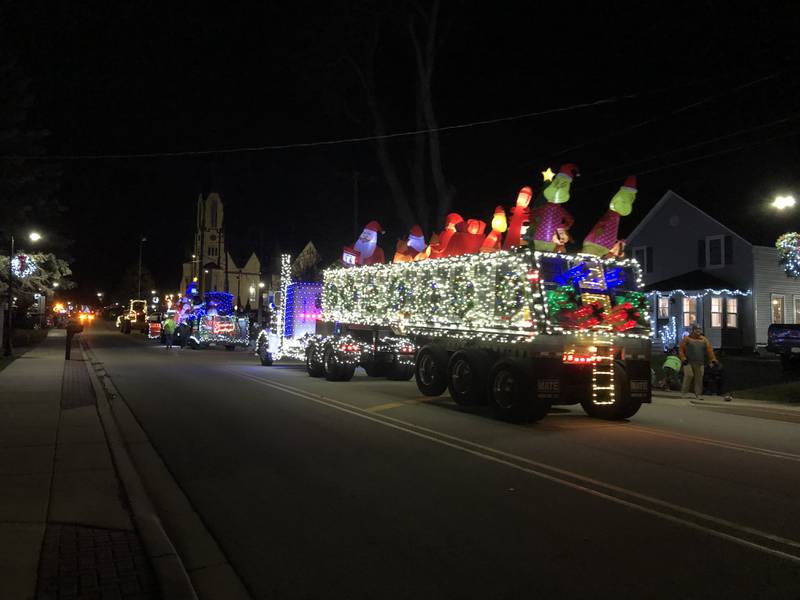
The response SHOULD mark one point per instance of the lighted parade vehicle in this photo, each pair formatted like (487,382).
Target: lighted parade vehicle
(212,322)
(509,318)
(135,318)
(295,333)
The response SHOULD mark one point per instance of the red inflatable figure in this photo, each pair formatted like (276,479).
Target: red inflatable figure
(520,218)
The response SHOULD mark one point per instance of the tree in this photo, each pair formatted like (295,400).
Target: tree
(47,269)
(428,198)
(375,63)
(128,285)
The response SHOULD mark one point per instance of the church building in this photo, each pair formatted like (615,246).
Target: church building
(212,265)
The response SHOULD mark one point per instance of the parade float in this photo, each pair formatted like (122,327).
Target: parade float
(211,321)
(505,317)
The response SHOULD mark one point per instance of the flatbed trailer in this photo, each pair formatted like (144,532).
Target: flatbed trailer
(520,330)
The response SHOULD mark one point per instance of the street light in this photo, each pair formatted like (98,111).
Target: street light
(781,202)
(33,236)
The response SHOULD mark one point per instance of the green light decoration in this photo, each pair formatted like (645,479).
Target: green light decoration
(788,246)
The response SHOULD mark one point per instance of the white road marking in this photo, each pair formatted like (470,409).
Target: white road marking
(505,458)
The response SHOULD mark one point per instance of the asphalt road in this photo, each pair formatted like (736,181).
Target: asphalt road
(366,489)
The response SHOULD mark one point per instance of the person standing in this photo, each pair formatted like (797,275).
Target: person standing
(168,327)
(694,350)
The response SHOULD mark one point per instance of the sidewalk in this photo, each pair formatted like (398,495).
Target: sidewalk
(65,526)
(741,406)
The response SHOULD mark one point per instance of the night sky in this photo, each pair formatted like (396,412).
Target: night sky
(703,101)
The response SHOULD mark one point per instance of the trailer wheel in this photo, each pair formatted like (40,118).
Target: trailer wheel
(431,370)
(314,366)
(467,377)
(376,369)
(401,371)
(335,369)
(510,393)
(623,408)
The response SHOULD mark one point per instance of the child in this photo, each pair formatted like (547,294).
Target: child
(671,368)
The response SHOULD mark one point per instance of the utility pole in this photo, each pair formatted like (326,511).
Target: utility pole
(139,285)
(355,205)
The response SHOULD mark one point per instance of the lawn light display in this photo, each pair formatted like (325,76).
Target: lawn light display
(505,296)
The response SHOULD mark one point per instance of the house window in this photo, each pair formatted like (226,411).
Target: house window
(776,305)
(714,251)
(689,311)
(644,256)
(732,312)
(663,307)
(716,311)
(797,309)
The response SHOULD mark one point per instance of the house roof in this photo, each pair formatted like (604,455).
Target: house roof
(669,195)
(691,281)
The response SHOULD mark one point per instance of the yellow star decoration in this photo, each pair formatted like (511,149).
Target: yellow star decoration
(548,174)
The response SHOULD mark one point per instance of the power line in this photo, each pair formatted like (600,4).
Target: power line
(698,158)
(351,140)
(698,144)
(677,111)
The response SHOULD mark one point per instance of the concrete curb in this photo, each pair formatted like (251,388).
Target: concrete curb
(174,580)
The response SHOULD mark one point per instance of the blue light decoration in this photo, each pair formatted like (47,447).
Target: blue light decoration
(191,290)
(573,275)
(614,278)
(302,308)
(223,301)
(576,275)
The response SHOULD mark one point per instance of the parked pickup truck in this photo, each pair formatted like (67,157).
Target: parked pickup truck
(784,339)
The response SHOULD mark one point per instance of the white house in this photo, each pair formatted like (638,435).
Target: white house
(700,271)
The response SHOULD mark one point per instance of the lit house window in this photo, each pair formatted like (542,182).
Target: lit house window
(797,309)
(663,308)
(776,306)
(689,311)
(732,312)
(716,311)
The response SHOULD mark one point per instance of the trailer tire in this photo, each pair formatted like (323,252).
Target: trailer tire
(314,367)
(468,377)
(335,369)
(400,372)
(431,370)
(621,409)
(374,369)
(510,393)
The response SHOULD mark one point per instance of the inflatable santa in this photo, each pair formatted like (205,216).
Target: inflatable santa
(414,248)
(520,217)
(493,241)
(550,223)
(366,250)
(602,239)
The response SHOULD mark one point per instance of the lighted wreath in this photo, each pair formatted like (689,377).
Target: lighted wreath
(788,246)
(23,266)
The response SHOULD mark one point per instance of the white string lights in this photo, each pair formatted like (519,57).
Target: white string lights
(495,297)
